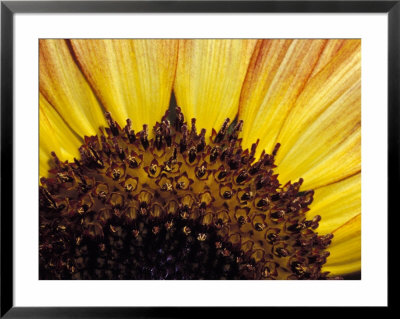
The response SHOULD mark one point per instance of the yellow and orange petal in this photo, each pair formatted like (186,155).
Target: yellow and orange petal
(209,78)
(321,136)
(316,118)
(66,89)
(132,78)
(278,72)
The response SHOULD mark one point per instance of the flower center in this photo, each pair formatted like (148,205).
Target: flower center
(175,207)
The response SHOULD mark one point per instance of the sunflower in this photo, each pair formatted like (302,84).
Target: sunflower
(253,173)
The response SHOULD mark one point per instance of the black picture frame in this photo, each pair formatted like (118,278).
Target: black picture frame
(9,8)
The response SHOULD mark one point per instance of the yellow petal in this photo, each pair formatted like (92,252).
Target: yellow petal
(278,72)
(336,203)
(345,257)
(321,137)
(63,85)
(331,49)
(209,78)
(132,78)
(44,163)
(54,136)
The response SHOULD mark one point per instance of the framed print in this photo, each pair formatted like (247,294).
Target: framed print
(164,155)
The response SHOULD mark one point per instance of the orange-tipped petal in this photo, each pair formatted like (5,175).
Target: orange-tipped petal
(209,79)
(132,78)
(64,86)
(321,137)
(278,72)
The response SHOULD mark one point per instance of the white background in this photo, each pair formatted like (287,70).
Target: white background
(370,291)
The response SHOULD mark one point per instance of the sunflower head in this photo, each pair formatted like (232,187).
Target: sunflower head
(191,199)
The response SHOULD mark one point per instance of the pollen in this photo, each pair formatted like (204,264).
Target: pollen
(174,204)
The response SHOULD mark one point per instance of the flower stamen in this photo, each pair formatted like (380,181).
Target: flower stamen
(175,206)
